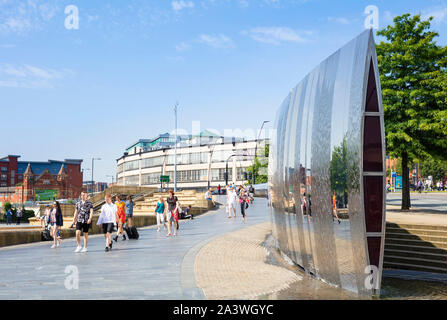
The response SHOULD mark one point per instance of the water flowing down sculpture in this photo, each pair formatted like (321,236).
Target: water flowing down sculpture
(327,170)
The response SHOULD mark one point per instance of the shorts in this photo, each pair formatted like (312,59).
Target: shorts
(232,205)
(82,226)
(129,215)
(107,227)
(52,224)
(170,216)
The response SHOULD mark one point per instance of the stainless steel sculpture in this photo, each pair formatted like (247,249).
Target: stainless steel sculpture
(329,147)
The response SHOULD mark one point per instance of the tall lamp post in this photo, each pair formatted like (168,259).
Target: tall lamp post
(93,166)
(175,150)
(256,151)
(211,158)
(111,176)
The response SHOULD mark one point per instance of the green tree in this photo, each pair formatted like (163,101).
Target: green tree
(339,172)
(261,165)
(413,74)
(435,168)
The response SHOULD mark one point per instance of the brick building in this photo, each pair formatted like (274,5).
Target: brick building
(22,181)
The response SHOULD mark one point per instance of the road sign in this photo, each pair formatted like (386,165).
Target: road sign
(164,178)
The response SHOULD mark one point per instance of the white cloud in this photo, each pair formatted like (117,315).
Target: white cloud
(7,46)
(276,35)
(339,20)
(439,14)
(27,76)
(219,41)
(183,46)
(180,5)
(21,17)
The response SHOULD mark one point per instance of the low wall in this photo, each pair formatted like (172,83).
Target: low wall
(23,236)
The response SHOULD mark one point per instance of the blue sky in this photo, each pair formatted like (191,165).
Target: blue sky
(93,91)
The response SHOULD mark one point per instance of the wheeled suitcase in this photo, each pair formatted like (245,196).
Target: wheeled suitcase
(132,233)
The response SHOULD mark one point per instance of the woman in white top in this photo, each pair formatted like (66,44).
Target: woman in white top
(107,219)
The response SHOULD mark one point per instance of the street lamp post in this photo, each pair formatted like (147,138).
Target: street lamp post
(111,176)
(93,166)
(211,158)
(175,150)
(256,150)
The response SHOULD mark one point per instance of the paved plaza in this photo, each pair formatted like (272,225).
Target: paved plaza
(153,267)
(426,202)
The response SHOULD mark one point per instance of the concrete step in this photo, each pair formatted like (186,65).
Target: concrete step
(422,232)
(411,242)
(430,238)
(410,266)
(416,226)
(421,262)
(441,257)
(415,248)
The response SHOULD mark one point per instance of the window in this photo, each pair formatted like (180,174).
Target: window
(4,169)
(132,180)
(152,162)
(219,174)
(131,165)
(120,168)
(240,173)
(150,178)
(4,177)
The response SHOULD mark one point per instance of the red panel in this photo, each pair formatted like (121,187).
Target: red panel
(374,250)
(372,145)
(373,200)
(372,102)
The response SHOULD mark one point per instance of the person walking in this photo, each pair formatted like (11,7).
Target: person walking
(107,218)
(56,223)
(121,213)
(8,217)
(232,197)
(172,201)
(83,218)
(218,189)
(129,211)
(160,209)
(334,208)
(19,215)
(243,201)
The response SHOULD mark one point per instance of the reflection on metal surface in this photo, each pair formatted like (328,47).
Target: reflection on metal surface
(326,170)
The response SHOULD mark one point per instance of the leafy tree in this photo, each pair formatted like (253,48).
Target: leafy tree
(261,165)
(413,75)
(435,168)
(339,172)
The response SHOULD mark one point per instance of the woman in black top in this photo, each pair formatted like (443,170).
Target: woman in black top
(170,214)
(58,225)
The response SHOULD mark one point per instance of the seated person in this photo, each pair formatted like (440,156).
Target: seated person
(185,213)
(209,197)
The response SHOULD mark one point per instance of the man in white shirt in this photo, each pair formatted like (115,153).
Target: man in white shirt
(107,219)
(231,198)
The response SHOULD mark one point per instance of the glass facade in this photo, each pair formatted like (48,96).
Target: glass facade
(152,162)
(132,180)
(132,165)
(151,178)
(326,170)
